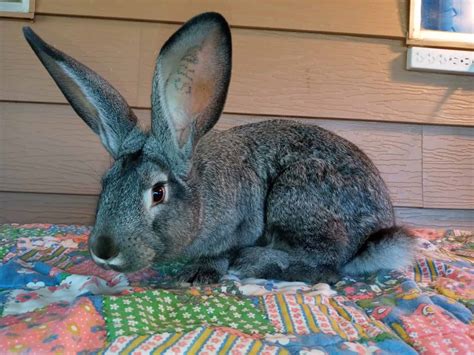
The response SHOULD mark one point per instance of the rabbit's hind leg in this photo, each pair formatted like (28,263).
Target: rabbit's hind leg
(260,262)
(304,219)
(269,263)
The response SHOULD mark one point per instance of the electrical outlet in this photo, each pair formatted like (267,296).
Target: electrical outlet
(440,60)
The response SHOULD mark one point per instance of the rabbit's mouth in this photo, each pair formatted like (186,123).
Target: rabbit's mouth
(120,263)
(118,252)
(117,263)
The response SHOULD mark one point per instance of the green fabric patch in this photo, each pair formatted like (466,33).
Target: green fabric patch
(3,252)
(13,232)
(162,311)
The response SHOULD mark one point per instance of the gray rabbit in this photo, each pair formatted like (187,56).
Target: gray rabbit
(274,199)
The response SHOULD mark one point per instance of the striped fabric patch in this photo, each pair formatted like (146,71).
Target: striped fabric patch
(366,326)
(302,314)
(428,270)
(201,340)
(55,256)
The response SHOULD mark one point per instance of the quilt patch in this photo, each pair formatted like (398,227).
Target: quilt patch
(149,311)
(53,298)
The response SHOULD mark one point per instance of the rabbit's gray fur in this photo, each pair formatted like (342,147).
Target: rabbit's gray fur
(274,199)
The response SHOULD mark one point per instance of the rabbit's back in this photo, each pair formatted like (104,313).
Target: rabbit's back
(295,177)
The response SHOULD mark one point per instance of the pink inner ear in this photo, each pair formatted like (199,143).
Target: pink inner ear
(192,86)
(201,96)
(199,70)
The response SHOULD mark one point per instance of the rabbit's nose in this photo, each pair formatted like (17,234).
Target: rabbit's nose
(104,248)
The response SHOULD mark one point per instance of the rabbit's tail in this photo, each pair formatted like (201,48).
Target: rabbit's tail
(390,248)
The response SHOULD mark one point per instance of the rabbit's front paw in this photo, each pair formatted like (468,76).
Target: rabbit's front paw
(260,262)
(209,276)
(323,275)
(199,274)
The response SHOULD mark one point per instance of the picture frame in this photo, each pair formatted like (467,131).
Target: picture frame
(441,23)
(17,8)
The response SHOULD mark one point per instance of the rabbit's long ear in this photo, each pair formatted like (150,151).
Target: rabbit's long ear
(92,97)
(191,79)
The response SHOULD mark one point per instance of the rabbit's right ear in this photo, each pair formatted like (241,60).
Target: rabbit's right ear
(190,83)
(92,97)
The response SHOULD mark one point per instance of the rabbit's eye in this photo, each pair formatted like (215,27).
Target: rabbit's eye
(158,194)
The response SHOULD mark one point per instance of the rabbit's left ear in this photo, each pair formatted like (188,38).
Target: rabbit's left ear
(191,79)
(100,106)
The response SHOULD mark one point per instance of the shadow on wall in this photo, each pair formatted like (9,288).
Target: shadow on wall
(404,13)
(451,83)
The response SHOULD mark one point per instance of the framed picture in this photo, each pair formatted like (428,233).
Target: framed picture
(442,23)
(17,8)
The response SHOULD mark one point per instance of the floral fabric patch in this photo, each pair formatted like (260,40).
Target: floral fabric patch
(161,311)
(53,298)
(58,328)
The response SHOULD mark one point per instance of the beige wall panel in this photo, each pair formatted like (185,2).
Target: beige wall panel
(448,167)
(47,148)
(275,73)
(108,47)
(80,209)
(17,207)
(365,17)
(316,75)
(435,218)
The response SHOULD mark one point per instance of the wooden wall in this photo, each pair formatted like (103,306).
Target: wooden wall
(338,64)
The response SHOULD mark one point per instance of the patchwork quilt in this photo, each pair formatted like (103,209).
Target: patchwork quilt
(53,298)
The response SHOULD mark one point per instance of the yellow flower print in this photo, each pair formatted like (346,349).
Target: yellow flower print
(73,328)
(18,348)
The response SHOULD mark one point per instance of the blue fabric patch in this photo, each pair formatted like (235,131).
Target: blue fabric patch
(14,276)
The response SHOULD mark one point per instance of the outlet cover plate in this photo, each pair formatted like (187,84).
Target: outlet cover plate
(440,60)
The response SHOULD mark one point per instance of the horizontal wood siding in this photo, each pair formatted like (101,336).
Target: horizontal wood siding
(448,167)
(339,64)
(109,47)
(18,207)
(47,148)
(385,18)
(275,73)
(436,218)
